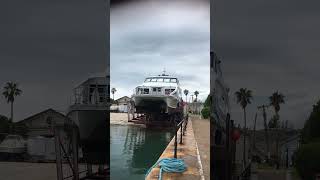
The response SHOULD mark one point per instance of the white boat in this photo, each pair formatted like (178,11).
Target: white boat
(158,93)
(90,113)
(13,144)
(221,106)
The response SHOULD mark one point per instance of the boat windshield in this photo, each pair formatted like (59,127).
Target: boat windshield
(174,80)
(167,80)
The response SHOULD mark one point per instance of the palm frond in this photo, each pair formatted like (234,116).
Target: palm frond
(11,90)
(244,97)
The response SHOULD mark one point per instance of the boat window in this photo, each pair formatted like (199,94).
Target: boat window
(154,89)
(173,80)
(166,80)
(147,80)
(145,91)
(154,80)
(160,79)
(159,89)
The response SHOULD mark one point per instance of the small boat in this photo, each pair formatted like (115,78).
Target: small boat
(13,144)
(90,113)
(160,93)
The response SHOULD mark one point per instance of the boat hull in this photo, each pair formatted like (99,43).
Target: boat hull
(92,122)
(159,102)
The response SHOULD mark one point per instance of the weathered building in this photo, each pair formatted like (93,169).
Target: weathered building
(121,104)
(195,107)
(41,124)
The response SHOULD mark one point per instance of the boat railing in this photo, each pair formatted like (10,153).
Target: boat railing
(182,126)
(82,95)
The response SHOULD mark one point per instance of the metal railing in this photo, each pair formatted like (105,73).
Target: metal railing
(246,173)
(182,125)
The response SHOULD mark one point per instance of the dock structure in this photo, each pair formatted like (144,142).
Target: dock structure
(71,158)
(188,151)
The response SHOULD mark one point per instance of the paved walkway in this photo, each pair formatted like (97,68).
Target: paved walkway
(201,128)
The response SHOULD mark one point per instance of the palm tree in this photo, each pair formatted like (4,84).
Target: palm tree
(244,97)
(113,90)
(186,92)
(196,93)
(10,91)
(275,100)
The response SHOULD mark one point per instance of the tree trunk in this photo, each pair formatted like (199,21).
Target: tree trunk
(277,141)
(11,118)
(254,131)
(186,104)
(244,136)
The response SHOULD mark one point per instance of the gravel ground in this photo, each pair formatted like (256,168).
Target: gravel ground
(201,128)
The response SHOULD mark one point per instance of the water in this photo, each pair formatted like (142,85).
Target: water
(134,150)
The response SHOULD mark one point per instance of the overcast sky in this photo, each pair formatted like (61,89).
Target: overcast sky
(48,47)
(267,46)
(148,36)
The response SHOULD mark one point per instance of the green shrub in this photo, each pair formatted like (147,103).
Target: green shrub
(308,160)
(205,112)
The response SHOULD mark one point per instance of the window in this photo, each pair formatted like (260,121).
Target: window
(145,91)
(147,80)
(173,80)
(154,80)
(156,89)
(160,79)
(166,80)
(49,120)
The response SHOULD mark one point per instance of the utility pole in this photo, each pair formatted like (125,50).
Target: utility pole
(254,131)
(264,114)
(287,158)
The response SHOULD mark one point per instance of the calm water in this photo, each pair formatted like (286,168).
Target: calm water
(134,150)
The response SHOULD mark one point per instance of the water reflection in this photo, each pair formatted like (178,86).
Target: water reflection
(135,149)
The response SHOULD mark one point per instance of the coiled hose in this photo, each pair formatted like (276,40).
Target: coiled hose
(170,165)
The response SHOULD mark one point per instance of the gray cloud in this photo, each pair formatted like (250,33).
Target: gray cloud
(48,47)
(149,36)
(268,46)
